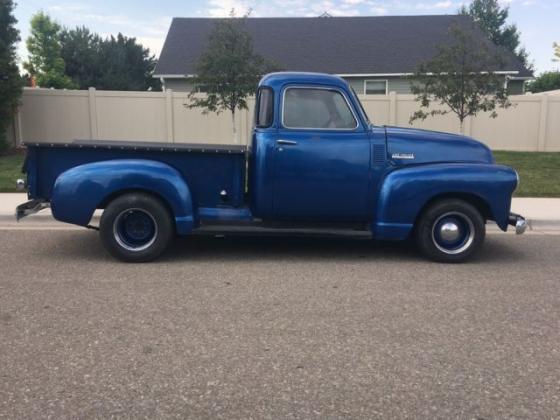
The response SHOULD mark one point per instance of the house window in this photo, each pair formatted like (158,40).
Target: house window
(317,108)
(200,89)
(375,87)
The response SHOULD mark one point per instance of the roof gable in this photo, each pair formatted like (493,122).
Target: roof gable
(337,45)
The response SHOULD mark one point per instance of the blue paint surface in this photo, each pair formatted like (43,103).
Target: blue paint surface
(78,191)
(381,176)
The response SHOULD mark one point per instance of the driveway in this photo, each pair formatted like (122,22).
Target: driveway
(276,328)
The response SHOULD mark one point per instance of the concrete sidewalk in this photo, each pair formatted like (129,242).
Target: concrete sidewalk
(542,213)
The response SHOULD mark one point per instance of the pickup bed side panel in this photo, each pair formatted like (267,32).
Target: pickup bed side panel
(404,193)
(206,172)
(78,191)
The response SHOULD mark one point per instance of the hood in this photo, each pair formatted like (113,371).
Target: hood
(414,146)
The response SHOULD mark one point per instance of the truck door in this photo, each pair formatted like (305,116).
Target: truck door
(322,157)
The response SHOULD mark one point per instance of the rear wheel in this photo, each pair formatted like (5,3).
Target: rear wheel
(136,227)
(450,230)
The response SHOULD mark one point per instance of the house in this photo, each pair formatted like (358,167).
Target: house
(374,53)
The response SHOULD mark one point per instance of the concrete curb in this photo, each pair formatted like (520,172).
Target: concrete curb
(543,214)
(537,224)
(45,220)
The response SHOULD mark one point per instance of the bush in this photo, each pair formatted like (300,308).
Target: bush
(547,81)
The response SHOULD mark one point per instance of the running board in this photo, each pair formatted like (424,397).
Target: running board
(251,230)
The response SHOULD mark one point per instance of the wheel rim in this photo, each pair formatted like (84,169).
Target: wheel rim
(135,229)
(453,233)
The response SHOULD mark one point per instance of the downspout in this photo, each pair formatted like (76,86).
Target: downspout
(506,81)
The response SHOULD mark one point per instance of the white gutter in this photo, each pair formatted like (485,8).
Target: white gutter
(185,76)
(372,74)
(411,74)
(172,76)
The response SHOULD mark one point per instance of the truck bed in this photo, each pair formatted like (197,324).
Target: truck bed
(208,169)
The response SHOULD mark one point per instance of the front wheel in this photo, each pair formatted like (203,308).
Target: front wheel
(136,227)
(450,231)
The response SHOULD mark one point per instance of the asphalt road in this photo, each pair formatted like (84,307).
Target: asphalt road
(278,328)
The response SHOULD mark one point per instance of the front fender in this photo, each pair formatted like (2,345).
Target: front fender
(80,190)
(405,192)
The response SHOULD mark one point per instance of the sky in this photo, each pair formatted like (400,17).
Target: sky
(148,21)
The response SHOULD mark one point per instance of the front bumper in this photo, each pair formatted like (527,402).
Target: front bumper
(519,222)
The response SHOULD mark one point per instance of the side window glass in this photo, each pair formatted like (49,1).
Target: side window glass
(317,108)
(264,111)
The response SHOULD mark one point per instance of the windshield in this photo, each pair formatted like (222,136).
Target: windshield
(362,110)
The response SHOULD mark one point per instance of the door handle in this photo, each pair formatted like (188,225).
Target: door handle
(286,142)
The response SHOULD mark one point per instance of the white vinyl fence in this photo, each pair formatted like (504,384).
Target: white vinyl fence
(532,124)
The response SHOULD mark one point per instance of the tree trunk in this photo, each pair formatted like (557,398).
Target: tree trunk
(461,126)
(235,139)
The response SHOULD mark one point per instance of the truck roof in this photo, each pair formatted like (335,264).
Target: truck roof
(277,80)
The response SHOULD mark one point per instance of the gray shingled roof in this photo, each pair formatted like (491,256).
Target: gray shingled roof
(339,45)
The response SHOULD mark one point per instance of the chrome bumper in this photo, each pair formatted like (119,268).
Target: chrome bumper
(31,207)
(519,222)
(21,185)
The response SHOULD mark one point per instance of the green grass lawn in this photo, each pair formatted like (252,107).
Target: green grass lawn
(539,172)
(10,170)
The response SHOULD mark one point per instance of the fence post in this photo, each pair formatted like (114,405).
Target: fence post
(392,108)
(543,120)
(169,115)
(93,114)
(18,130)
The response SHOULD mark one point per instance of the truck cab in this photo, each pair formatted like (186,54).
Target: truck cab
(312,151)
(315,164)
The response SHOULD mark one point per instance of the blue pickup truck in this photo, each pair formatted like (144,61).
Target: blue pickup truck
(316,165)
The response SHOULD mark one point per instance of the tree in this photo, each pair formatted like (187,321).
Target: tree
(549,80)
(10,80)
(228,69)
(492,19)
(81,50)
(114,63)
(460,78)
(126,65)
(45,63)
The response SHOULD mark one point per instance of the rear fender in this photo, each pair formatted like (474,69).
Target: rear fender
(80,190)
(405,192)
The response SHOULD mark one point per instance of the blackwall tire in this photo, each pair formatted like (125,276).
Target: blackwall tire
(451,231)
(136,227)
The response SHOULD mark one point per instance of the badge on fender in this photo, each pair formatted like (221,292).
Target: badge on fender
(402,156)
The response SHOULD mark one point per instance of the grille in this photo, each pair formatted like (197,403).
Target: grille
(379,154)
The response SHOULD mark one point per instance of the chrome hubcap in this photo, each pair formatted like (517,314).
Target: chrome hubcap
(449,232)
(453,233)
